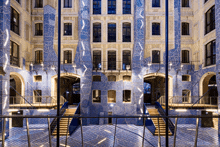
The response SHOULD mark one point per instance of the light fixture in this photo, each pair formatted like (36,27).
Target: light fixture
(181,110)
(53,67)
(149,63)
(42,64)
(128,67)
(74,65)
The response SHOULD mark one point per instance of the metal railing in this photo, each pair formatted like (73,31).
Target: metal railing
(18,101)
(29,141)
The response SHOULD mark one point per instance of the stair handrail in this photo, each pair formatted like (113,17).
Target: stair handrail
(202,96)
(62,111)
(162,112)
(75,121)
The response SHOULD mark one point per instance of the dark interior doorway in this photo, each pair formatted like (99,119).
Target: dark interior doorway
(110,118)
(17,122)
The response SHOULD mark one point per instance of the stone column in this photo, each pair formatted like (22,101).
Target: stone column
(5,16)
(50,57)
(138,56)
(83,58)
(217,28)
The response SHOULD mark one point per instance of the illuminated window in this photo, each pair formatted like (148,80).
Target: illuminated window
(96,96)
(111,96)
(126,60)
(126,95)
(126,78)
(112,78)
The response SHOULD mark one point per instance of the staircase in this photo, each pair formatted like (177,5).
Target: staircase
(162,125)
(64,122)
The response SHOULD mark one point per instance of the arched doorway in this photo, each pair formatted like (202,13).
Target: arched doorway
(16,88)
(208,89)
(69,87)
(154,87)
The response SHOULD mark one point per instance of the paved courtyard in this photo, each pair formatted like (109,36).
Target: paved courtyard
(103,136)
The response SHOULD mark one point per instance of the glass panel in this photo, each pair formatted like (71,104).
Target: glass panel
(97,60)
(126,59)
(111,60)
(155,56)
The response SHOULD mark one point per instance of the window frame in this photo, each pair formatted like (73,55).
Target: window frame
(189,56)
(212,56)
(12,58)
(70,54)
(123,58)
(14,25)
(155,6)
(114,98)
(62,55)
(123,94)
(100,96)
(66,35)
(152,25)
(38,7)
(185,6)
(127,28)
(94,61)
(36,34)
(159,56)
(34,94)
(124,9)
(38,62)
(68,5)
(98,34)
(212,23)
(111,61)
(100,11)
(111,7)
(185,32)
(189,96)
(108,23)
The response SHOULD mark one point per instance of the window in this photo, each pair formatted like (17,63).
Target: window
(67,57)
(126,60)
(96,96)
(14,54)
(185,77)
(38,96)
(185,3)
(111,96)
(126,6)
(126,78)
(155,28)
(38,3)
(38,29)
(38,57)
(126,95)
(210,53)
(67,4)
(185,56)
(126,32)
(185,96)
(155,3)
(185,28)
(97,6)
(111,60)
(155,56)
(206,1)
(97,32)
(112,32)
(97,58)
(18,1)
(112,78)
(111,6)
(37,78)
(210,20)
(67,29)
(96,78)
(14,21)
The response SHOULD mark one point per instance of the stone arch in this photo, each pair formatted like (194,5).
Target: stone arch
(19,85)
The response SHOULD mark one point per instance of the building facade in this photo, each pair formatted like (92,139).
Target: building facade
(112,54)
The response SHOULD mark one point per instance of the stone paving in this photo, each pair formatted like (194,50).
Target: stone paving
(103,136)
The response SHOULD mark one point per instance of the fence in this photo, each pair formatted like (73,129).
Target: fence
(112,134)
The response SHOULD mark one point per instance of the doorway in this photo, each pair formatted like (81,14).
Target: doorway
(109,119)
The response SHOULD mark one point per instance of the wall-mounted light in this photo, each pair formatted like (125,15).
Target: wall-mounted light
(53,67)
(149,64)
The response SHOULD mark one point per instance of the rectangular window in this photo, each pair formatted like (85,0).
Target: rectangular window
(38,57)
(96,96)
(97,58)
(111,60)
(67,4)
(155,56)
(126,6)
(14,54)
(126,95)
(112,78)
(185,56)
(97,6)
(111,96)
(14,21)
(111,32)
(67,57)
(210,20)
(185,96)
(185,3)
(185,28)
(67,29)
(155,28)
(126,60)
(96,78)
(38,3)
(155,3)
(38,29)
(111,6)
(38,96)
(97,32)
(126,32)
(210,53)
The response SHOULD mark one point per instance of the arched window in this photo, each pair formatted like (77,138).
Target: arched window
(97,32)
(38,57)
(185,56)
(127,78)
(67,56)
(185,28)
(126,32)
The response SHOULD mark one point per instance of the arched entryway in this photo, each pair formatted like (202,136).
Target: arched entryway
(154,87)
(208,89)
(17,88)
(69,87)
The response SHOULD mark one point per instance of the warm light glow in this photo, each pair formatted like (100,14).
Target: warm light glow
(12,110)
(64,145)
(101,140)
(43,110)
(181,110)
